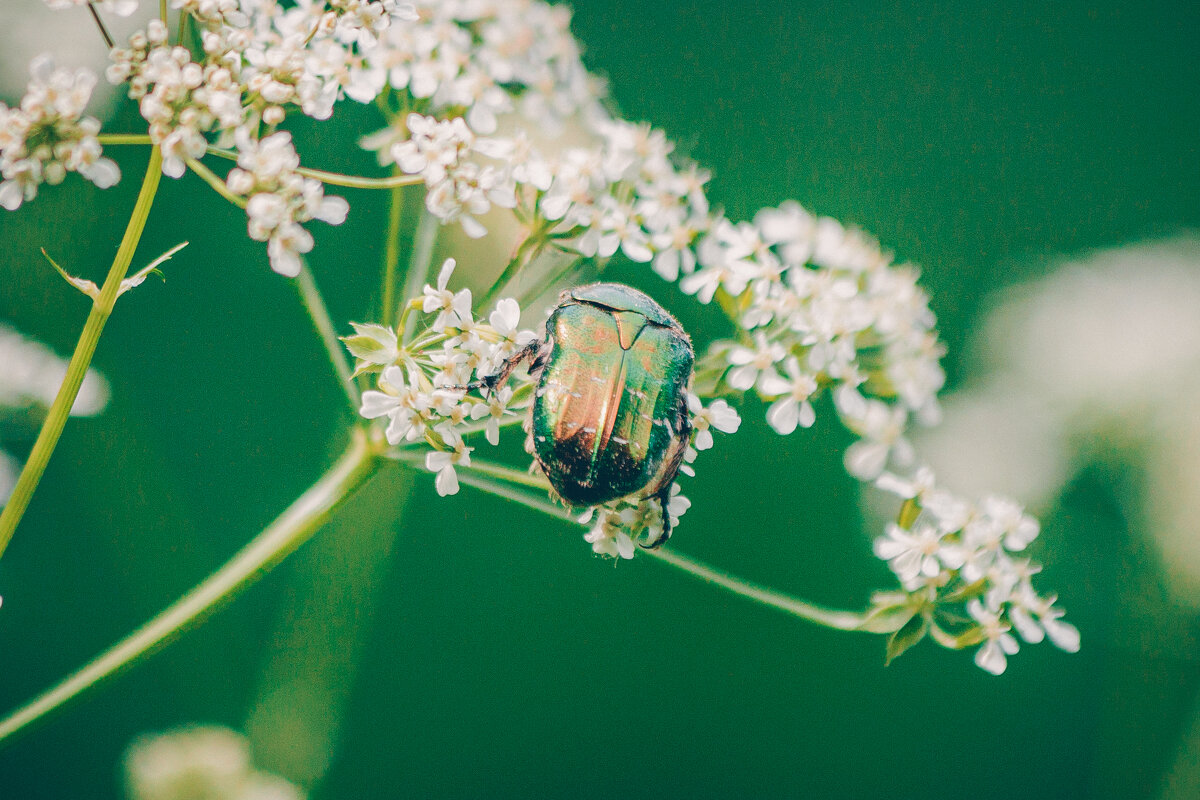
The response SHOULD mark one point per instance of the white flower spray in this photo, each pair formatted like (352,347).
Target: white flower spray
(817,309)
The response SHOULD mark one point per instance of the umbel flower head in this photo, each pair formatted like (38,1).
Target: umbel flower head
(48,135)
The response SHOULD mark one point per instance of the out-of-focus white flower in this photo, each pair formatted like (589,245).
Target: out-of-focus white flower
(9,470)
(30,373)
(998,643)
(48,135)
(204,762)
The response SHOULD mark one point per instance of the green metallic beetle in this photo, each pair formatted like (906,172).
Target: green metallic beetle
(609,416)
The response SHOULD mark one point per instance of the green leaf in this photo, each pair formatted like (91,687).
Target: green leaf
(889,612)
(912,632)
(373,343)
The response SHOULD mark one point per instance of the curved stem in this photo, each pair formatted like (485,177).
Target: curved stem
(830,618)
(292,528)
(314,303)
(102,307)
(359,182)
(826,617)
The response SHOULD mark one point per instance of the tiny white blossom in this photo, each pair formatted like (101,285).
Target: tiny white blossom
(998,642)
(443,462)
(719,415)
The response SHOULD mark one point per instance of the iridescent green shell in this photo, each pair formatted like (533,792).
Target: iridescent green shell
(610,417)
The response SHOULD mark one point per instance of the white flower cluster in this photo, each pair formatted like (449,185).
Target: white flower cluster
(48,135)
(280,199)
(202,761)
(441,151)
(30,375)
(122,8)
(622,193)
(420,385)
(246,78)
(482,58)
(821,306)
(950,553)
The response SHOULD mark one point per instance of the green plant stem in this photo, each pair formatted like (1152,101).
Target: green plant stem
(324,176)
(391,254)
(102,307)
(527,250)
(214,181)
(419,264)
(314,303)
(826,617)
(292,528)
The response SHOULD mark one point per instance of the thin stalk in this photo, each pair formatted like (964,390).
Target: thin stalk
(325,176)
(124,138)
(527,250)
(359,182)
(108,40)
(318,312)
(162,10)
(391,254)
(830,618)
(420,263)
(214,180)
(292,528)
(102,307)
(826,617)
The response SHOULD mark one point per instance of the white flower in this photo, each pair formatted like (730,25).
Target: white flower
(400,403)
(1033,615)
(453,307)
(794,407)
(718,415)
(494,408)
(998,642)
(882,429)
(919,552)
(443,462)
(756,365)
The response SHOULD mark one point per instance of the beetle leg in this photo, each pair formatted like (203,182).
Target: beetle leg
(663,497)
(491,383)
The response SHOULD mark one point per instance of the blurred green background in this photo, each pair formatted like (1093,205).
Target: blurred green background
(495,655)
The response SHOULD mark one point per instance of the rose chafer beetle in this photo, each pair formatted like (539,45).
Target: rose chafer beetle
(609,417)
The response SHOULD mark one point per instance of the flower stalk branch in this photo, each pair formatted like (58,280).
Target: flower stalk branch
(102,307)
(314,304)
(295,526)
(480,476)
